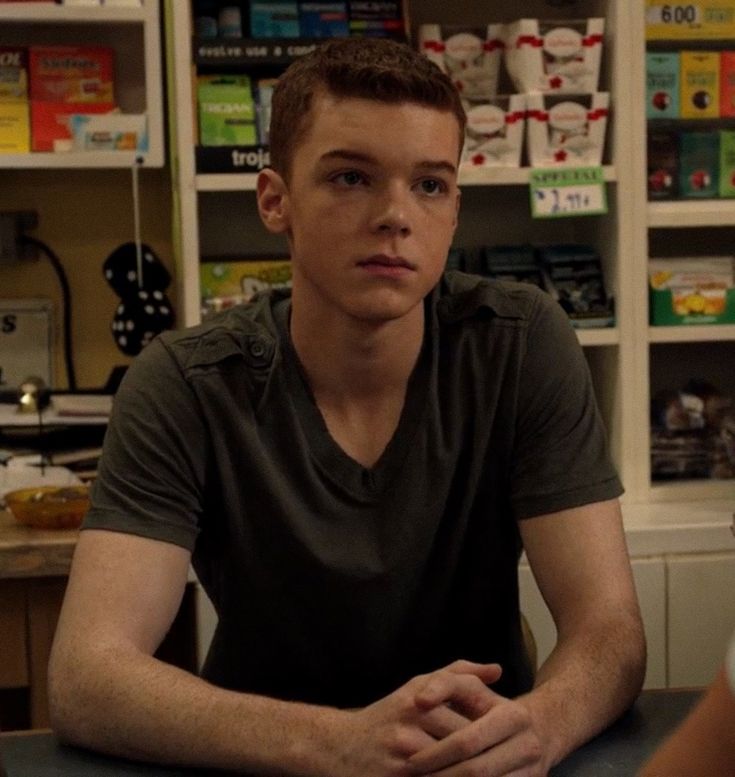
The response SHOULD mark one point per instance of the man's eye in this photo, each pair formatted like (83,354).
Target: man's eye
(349,178)
(432,186)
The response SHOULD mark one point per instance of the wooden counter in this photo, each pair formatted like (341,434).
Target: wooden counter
(34,566)
(26,552)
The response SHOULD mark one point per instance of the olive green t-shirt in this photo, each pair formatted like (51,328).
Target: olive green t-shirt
(335,583)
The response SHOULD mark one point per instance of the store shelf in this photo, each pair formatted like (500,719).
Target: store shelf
(691,334)
(692,213)
(597,337)
(77,159)
(50,13)
(468,176)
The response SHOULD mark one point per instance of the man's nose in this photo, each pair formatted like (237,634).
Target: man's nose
(392,212)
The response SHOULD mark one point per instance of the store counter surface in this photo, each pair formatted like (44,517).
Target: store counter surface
(618,752)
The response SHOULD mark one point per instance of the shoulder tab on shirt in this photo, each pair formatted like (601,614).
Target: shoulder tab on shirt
(463,296)
(234,333)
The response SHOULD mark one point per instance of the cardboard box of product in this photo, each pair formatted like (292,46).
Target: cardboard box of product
(74,74)
(727,163)
(274,19)
(697,290)
(700,85)
(699,164)
(470,56)
(226,111)
(550,56)
(50,127)
(727,83)
(662,165)
(494,131)
(15,128)
(13,73)
(662,85)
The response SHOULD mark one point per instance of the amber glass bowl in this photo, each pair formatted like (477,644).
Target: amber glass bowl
(49,507)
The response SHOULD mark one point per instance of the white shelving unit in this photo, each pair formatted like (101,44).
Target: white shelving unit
(134,33)
(495,210)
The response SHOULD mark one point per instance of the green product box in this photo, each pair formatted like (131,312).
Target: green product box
(662,85)
(699,164)
(226,111)
(727,163)
(663,312)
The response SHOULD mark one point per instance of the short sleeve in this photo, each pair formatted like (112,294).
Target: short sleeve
(151,473)
(561,458)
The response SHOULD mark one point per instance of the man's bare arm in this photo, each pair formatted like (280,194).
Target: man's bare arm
(108,693)
(581,564)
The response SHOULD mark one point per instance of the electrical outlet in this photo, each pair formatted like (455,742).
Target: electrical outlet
(13,225)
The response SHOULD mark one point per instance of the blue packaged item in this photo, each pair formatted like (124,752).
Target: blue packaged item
(323,20)
(275,19)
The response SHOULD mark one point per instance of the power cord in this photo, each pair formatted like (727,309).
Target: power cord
(66,299)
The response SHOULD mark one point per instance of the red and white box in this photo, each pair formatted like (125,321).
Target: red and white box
(72,74)
(566,130)
(494,132)
(50,130)
(470,56)
(553,56)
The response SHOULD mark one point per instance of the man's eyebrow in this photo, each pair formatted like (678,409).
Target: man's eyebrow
(429,165)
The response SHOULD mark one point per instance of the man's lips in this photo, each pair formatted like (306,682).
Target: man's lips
(379,261)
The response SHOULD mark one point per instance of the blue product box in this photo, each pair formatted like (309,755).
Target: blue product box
(662,85)
(275,19)
(323,20)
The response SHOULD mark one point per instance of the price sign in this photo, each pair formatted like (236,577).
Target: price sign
(708,19)
(573,191)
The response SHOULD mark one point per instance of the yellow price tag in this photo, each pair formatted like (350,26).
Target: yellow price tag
(701,19)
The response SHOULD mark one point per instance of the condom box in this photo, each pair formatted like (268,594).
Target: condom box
(470,56)
(226,111)
(72,74)
(663,164)
(566,130)
(727,163)
(377,18)
(662,85)
(323,19)
(51,123)
(699,164)
(494,131)
(274,19)
(700,85)
(553,56)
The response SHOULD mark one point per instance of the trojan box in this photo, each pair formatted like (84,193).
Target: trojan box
(662,85)
(700,85)
(663,165)
(226,111)
(727,163)
(553,56)
(470,56)
(74,74)
(727,83)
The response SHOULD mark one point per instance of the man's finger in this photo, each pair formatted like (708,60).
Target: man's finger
(488,673)
(442,721)
(465,693)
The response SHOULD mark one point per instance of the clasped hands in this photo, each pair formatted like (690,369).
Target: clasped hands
(447,723)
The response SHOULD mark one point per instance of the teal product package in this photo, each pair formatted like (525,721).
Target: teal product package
(662,85)
(699,164)
(274,19)
(226,111)
(323,19)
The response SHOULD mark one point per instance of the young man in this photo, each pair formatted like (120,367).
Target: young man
(352,469)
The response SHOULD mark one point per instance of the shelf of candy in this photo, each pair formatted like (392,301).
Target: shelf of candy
(571,273)
(692,433)
(692,291)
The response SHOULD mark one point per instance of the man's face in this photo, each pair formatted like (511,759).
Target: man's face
(371,205)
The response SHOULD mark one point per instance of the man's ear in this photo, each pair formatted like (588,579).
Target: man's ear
(272,195)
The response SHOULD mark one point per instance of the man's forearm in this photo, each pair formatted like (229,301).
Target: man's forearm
(125,703)
(590,679)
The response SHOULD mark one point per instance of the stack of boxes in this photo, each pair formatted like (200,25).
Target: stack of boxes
(551,76)
(685,160)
